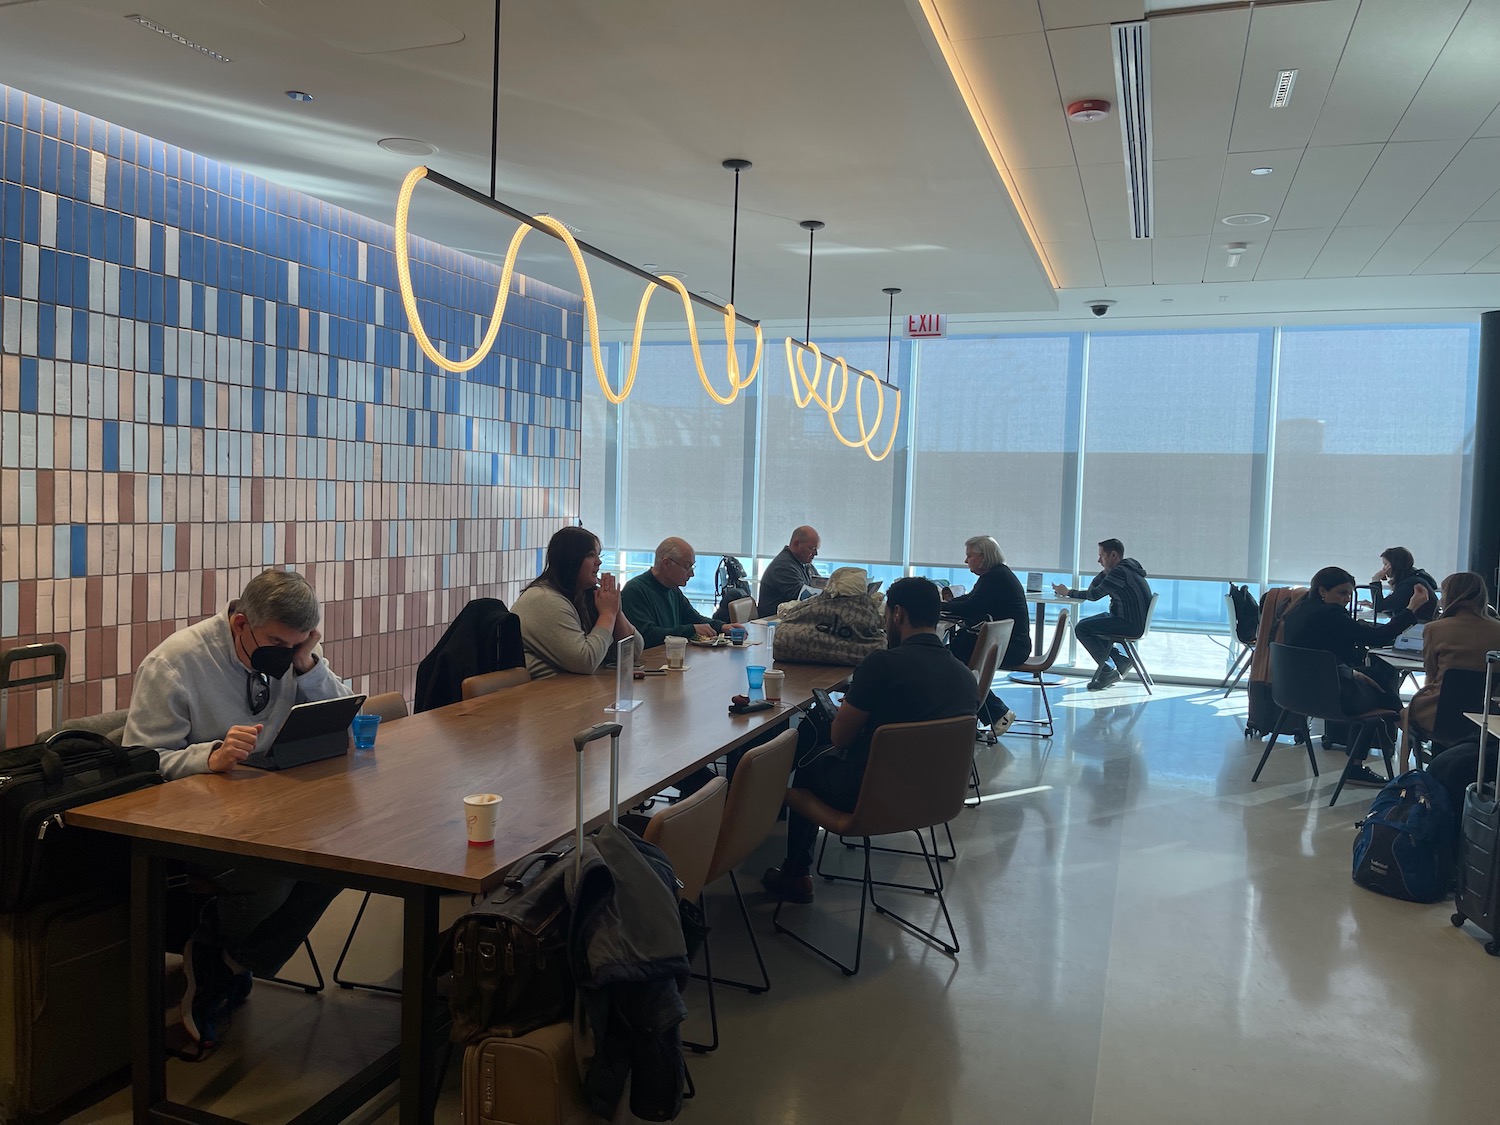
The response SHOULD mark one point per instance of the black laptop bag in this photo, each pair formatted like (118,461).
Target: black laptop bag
(41,857)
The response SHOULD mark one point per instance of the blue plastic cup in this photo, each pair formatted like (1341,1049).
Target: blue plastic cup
(756,674)
(364,731)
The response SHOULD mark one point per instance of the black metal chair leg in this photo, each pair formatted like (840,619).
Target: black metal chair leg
(708,979)
(310,989)
(866,892)
(834,878)
(926,935)
(765,977)
(1271,745)
(343,953)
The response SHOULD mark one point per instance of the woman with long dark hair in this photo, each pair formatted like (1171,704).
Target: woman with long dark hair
(1400,568)
(570,613)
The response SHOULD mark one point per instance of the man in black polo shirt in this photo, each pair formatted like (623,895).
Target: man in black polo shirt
(914,680)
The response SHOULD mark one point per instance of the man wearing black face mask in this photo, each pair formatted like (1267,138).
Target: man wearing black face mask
(205,697)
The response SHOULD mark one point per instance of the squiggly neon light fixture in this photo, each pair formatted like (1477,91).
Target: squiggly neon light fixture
(796,352)
(737,381)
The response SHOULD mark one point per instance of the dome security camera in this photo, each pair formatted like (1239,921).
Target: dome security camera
(1099,308)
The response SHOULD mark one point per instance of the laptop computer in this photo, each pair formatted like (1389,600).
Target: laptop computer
(1033,581)
(874,587)
(313,731)
(1409,641)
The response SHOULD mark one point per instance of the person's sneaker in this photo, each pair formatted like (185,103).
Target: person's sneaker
(239,988)
(206,1000)
(1123,663)
(1000,726)
(1103,678)
(1366,777)
(788,888)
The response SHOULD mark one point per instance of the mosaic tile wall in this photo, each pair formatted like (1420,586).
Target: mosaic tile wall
(203,374)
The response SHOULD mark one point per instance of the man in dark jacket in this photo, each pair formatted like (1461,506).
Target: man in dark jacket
(1123,581)
(788,572)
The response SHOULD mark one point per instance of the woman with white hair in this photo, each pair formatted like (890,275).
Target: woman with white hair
(997,596)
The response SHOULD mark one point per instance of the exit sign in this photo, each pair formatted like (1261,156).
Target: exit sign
(921,326)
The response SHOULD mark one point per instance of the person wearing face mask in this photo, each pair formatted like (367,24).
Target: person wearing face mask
(914,680)
(1321,620)
(570,613)
(206,697)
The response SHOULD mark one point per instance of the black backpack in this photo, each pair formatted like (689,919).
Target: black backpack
(730,584)
(1246,614)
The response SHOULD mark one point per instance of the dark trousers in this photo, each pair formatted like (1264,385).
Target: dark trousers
(836,781)
(1098,634)
(260,919)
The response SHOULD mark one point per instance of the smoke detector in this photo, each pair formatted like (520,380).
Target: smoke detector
(1090,109)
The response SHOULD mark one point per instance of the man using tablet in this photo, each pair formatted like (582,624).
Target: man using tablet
(206,697)
(914,680)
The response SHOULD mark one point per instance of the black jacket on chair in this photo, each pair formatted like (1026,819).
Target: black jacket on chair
(484,637)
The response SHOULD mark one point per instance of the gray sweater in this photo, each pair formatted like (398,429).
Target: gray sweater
(554,636)
(193,688)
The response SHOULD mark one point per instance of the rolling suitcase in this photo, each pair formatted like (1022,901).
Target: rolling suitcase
(1478,888)
(532,1079)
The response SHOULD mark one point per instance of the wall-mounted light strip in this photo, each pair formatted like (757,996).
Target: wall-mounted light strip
(152,25)
(558,230)
(986,134)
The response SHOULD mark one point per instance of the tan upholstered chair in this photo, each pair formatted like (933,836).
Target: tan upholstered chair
(1037,668)
(989,647)
(389,705)
(741,610)
(755,797)
(916,777)
(686,831)
(490,682)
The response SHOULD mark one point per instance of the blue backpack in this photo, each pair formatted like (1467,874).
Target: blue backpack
(1406,845)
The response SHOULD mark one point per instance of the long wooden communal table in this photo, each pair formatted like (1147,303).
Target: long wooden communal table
(391,821)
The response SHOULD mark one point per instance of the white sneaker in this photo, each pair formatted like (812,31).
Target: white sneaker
(1000,726)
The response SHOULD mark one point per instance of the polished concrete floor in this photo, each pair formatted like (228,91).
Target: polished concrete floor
(1146,938)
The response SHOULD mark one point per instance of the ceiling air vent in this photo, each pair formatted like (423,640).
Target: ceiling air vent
(1132,42)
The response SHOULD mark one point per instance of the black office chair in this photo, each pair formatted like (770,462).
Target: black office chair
(1462,690)
(1305,682)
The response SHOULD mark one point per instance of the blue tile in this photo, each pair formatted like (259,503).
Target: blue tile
(49,118)
(80,281)
(333,377)
(379,395)
(169,402)
(258,410)
(31,216)
(46,276)
(281,367)
(158,249)
(432,430)
(200,306)
(156,347)
(96,215)
(142,294)
(197,396)
(127,293)
(258,325)
(258,366)
(31,159)
(312,415)
(10,268)
(80,335)
(111,449)
(29,385)
(359,423)
(411,427)
(79,563)
(34,113)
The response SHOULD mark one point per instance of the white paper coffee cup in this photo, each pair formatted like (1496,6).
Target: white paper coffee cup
(774,680)
(480,810)
(676,647)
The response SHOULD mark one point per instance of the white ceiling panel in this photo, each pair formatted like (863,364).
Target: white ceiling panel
(1075,263)
(1178,261)
(1400,177)
(1084,62)
(1491,128)
(1407,248)
(1080,13)
(1489,213)
(1195,78)
(1217,269)
(1391,47)
(1465,185)
(1347,251)
(1489,264)
(1127,262)
(1104,189)
(1326,180)
(1305,37)
(982,19)
(1289,254)
(1186,191)
(1463,87)
(1053,197)
(1465,247)
(1242,192)
(1012,78)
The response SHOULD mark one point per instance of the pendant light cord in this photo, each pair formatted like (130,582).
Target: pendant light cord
(807,330)
(495,107)
(890,328)
(734,238)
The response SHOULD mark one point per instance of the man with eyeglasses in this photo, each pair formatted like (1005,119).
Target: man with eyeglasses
(789,571)
(206,697)
(655,603)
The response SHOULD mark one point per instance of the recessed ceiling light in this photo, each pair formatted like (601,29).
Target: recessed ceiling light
(1249,219)
(1282,94)
(1263,170)
(299,95)
(406,146)
(151,25)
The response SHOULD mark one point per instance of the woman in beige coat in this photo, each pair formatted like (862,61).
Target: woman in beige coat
(1458,639)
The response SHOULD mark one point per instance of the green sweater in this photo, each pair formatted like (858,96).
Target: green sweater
(658,611)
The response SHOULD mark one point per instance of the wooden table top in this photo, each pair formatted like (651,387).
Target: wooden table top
(396,812)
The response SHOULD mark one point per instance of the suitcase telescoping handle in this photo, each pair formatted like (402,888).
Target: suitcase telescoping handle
(1490,660)
(581,740)
(11,657)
